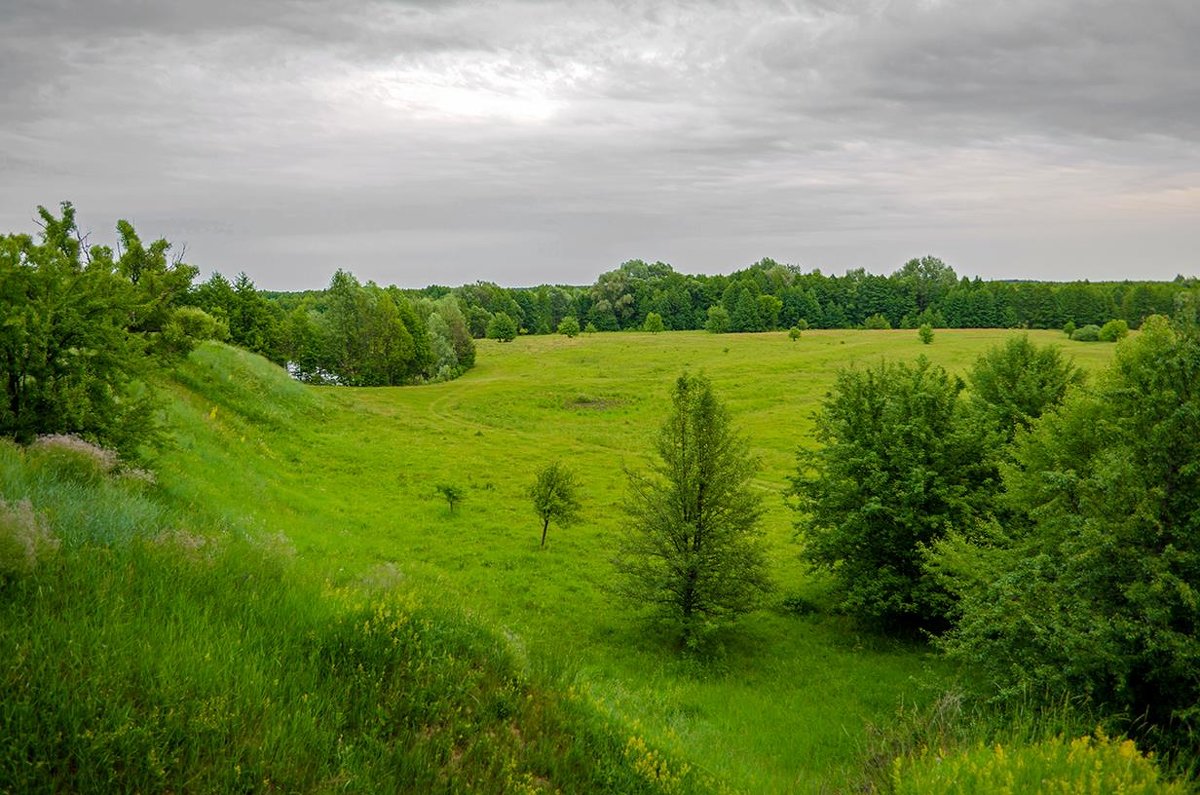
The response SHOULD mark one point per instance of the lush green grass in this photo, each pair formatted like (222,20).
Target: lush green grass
(151,651)
(350,476)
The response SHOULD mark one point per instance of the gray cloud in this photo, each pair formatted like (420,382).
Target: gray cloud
(526,141)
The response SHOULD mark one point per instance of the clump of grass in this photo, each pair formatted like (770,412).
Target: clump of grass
(25,539)
(72,458)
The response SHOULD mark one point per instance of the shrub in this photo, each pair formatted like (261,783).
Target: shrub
(1069,327)
(25,539)
(1086,764)
(654,323)
(569,326)
(925,332)
(794,333)
(502,327)
(877,321)
(1088,333)
(1114,330)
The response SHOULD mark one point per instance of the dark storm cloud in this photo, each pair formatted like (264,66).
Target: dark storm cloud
(528,141)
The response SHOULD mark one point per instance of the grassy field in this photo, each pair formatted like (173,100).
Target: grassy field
(350,476)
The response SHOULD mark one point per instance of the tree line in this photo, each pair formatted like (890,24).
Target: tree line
(769,295)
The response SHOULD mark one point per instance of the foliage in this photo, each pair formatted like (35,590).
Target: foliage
(369,336)
(1088,333)
(718,320)
(794,333)
(1096,764)
(877,321)
(1015,383)
(502,328)
(81,332)
(450,341)
(554,495)
(692,550)
(1069,328)
(452,494)
(1114,331)
(925,333)
(569,326)
(654,323)
(897,468)
(1095,595)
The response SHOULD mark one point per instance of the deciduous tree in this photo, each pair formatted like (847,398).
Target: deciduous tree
(897,467)
(555,496)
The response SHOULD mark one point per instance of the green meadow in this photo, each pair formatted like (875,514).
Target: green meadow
(350,476)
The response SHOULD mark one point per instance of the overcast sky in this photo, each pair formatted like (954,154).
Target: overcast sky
(523,142)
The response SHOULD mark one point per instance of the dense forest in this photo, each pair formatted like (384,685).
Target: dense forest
(639,295)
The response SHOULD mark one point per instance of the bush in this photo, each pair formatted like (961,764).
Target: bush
(1069,327)
(654,323)
(925,332)
(877,321)
(1087,764)
(502,327)
(1114,331)
(1088,333)
(569,326)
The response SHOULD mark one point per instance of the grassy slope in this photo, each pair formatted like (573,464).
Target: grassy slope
(160,650)
(353,484)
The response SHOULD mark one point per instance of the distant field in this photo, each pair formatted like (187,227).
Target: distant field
(350,476)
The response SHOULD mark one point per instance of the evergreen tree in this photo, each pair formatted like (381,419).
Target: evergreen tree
(692,550)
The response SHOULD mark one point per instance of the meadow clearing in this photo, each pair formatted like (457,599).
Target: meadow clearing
(351,476)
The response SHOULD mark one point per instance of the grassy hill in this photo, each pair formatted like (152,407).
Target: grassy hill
(528,673)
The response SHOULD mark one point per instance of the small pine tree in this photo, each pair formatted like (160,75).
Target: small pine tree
(925,332)
(692,550)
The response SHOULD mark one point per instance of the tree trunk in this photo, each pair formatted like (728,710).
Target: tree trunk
(545,527)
